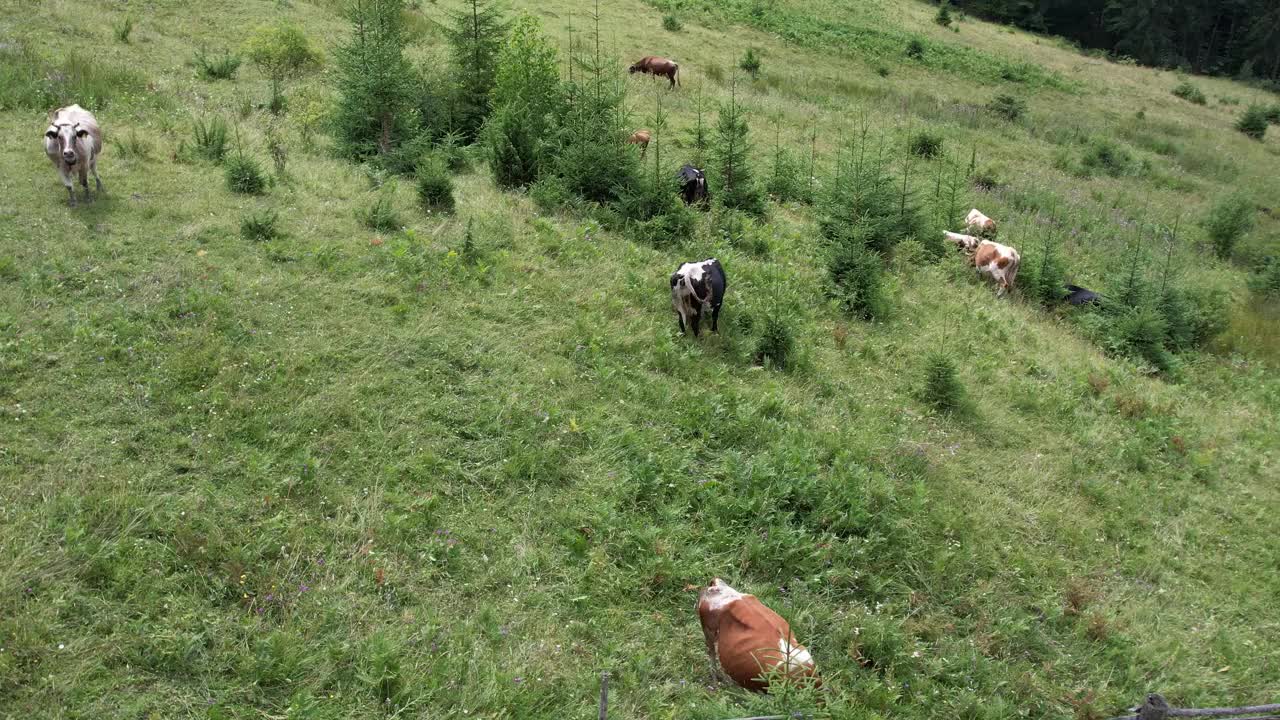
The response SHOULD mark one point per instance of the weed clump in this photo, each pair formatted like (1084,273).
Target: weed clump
(751,63)
(381,215)
(123,30)
(260,226)
(1108,157)
(1190,93)
(915,49)
(671,23)
(1254,122)
(223,67)
(776,343)
(244,174)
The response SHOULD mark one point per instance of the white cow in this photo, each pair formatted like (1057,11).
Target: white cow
(74,139)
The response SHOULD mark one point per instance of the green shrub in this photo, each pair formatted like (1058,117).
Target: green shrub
(882,71)
(751,63)
(1190,93)
(942,388)
(1140,333)
(211,138)
(381,215)
(434,184)
(926,144)
(776,343)
(1254,122)
(1266,280)
(1230,220)
(244,174)
(1106,156)
(260,226)
(1272,113)
(915,49)
(223,67)
(281,51)
(550,193)
(731,151)
(857,278)
(375,109)
(1192,317)
(1009,107)
(1042,276)
(943,17)
(671,23)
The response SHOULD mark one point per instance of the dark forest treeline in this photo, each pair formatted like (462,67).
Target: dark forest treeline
(1220,37)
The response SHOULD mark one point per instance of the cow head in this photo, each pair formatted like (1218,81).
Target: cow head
(717,595)
(62,140)
(635,68)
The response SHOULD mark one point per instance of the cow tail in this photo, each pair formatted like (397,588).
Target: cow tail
(677,74)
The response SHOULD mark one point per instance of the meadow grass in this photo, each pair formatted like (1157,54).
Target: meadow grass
(342,472)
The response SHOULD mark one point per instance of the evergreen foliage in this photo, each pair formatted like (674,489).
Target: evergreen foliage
(527,101)
(942,388)
(1009,107)
(475,37)
(1230,219)
(434,184)
(751,63)
(1190,93)
(375,112)
(731,156)
(1254,122)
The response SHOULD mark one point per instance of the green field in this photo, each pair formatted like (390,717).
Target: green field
(347,473)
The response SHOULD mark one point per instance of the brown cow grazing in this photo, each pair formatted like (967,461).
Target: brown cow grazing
(73,138)
(749,641)
(998,262)
(641,138)
(653,65)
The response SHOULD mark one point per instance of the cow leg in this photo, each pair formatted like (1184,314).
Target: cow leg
(695,321)
(680,317)
(84,181)
(715,319)
(97,180)
(70,185)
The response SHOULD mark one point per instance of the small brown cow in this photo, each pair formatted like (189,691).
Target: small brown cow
(653,65)
(641,138)
(73,138)
(979,224)
(748,641)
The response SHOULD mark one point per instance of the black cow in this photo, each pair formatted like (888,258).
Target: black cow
(693,185)
(1077,295)
(695,288)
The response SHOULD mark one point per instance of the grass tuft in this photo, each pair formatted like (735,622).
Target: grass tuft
(222,67)
(261,226)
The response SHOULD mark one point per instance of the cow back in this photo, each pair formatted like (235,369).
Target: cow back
(754,641)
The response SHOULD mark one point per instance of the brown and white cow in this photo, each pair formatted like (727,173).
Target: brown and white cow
(72,143)
(978,224)
(967,243)
(641,138)
(998,262)
(748,641)
(658,66)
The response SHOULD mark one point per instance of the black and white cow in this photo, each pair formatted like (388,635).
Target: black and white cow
(1077,295)
(693,185)
(696,288)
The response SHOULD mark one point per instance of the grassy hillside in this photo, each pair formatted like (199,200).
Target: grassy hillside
(346,473)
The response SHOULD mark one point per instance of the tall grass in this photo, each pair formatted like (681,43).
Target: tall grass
(30,82)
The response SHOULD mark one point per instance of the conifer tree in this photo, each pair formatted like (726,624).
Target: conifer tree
(476,38)
(375,110)
(731,151)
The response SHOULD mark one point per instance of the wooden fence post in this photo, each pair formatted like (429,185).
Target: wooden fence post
(604,695)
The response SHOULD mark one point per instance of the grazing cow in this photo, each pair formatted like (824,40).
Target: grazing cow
(693,185)
(652,65)
(1077,295)
(695,289)
(967,243)
(979,224)
(74,139)
(641,138)
(748,641)
(999,262)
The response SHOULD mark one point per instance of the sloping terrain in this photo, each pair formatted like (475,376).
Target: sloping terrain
(346,473)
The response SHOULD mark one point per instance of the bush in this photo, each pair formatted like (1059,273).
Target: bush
(1254,122)
(1230,219)
(1190,93)
(882,71)
(281,51)
(1009,107)
(223,67)
(1140,333)
(671,23)
(926,144)
(526,101)
(751,63)
(857,281)
(915,49)
(1043,277)
(942,388)
(731,151)
(434,184)
(943,17)
(245,175)
(1266,280)
(211,138)
(776,343)
(1103,155)
(550,193)
(476,37)
(1272,113)
(260,226)
(1192,318)
(381,215)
